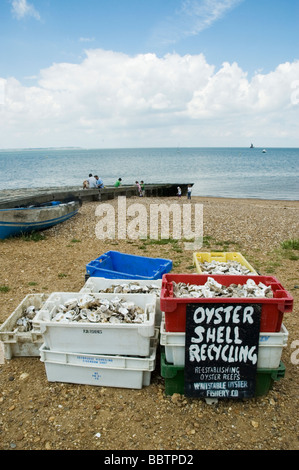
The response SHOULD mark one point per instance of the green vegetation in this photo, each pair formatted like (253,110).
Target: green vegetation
(33,236)
(292,244)
(161,241)
(4,289)
(289,248)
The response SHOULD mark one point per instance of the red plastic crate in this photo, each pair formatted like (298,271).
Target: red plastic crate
(272,309)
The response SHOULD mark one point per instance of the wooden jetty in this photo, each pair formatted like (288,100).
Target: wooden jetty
(17,197)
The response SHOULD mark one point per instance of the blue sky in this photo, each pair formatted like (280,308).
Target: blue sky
(258,36)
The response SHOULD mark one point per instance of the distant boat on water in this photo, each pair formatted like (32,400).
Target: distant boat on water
(264,151)
(251,146)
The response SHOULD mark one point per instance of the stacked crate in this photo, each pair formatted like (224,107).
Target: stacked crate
(101,285)
(104,354)
(273,335)
(120,355)
(17,335)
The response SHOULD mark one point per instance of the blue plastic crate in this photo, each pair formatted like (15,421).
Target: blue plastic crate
(116,265)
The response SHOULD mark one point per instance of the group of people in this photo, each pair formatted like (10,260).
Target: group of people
(96,182)
(189,190)
(93,182)
(140,188)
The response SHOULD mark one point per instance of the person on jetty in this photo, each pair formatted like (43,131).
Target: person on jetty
(142,188)
(138,188)
(189,190)
(118,182)
(92,182)
(100,183)
(179,193)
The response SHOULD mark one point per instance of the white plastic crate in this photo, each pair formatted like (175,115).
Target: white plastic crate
(15,342)
(98,284)
(132,339)
(269,352)
(99,370)
(270,348)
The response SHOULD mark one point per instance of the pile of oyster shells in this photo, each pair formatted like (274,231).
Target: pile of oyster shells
(88,308)
(132,288)
(228,267)
(24,323)
(212,288)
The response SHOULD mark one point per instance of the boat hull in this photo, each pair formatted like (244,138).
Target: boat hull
(16,221)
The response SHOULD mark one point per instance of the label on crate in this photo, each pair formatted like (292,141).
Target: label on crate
(221,350)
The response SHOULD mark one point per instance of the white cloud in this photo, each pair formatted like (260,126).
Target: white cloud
(2,90)
(203,14)
(145,100)
(21,9)
(191,18)
(86,39)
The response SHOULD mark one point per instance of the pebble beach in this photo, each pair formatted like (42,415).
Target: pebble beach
(39,415)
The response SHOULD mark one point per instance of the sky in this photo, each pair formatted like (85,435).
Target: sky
(149,73)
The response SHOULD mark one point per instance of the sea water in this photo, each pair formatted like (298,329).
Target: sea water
(216,172)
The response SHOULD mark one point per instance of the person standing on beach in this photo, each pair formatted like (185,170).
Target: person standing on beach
(179,191)
(118,183)
(189,190)
(142,188)
(138,188)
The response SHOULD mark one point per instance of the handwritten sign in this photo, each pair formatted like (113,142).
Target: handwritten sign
(221,350)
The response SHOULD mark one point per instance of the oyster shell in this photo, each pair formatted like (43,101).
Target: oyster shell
(24,323)
(132,288)
(213,288)
(91,309)
(228,267)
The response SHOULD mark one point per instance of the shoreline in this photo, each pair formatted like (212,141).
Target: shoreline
(19,192)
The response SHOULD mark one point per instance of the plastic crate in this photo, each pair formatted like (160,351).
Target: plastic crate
(270,348)
(97,338)
(17,343)
(175,380)
(272,309)
(221,257)
(99,370)
(99,284)
(269,353)
(116,265)
(266,377)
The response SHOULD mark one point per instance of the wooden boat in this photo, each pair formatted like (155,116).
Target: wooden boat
(30,218)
